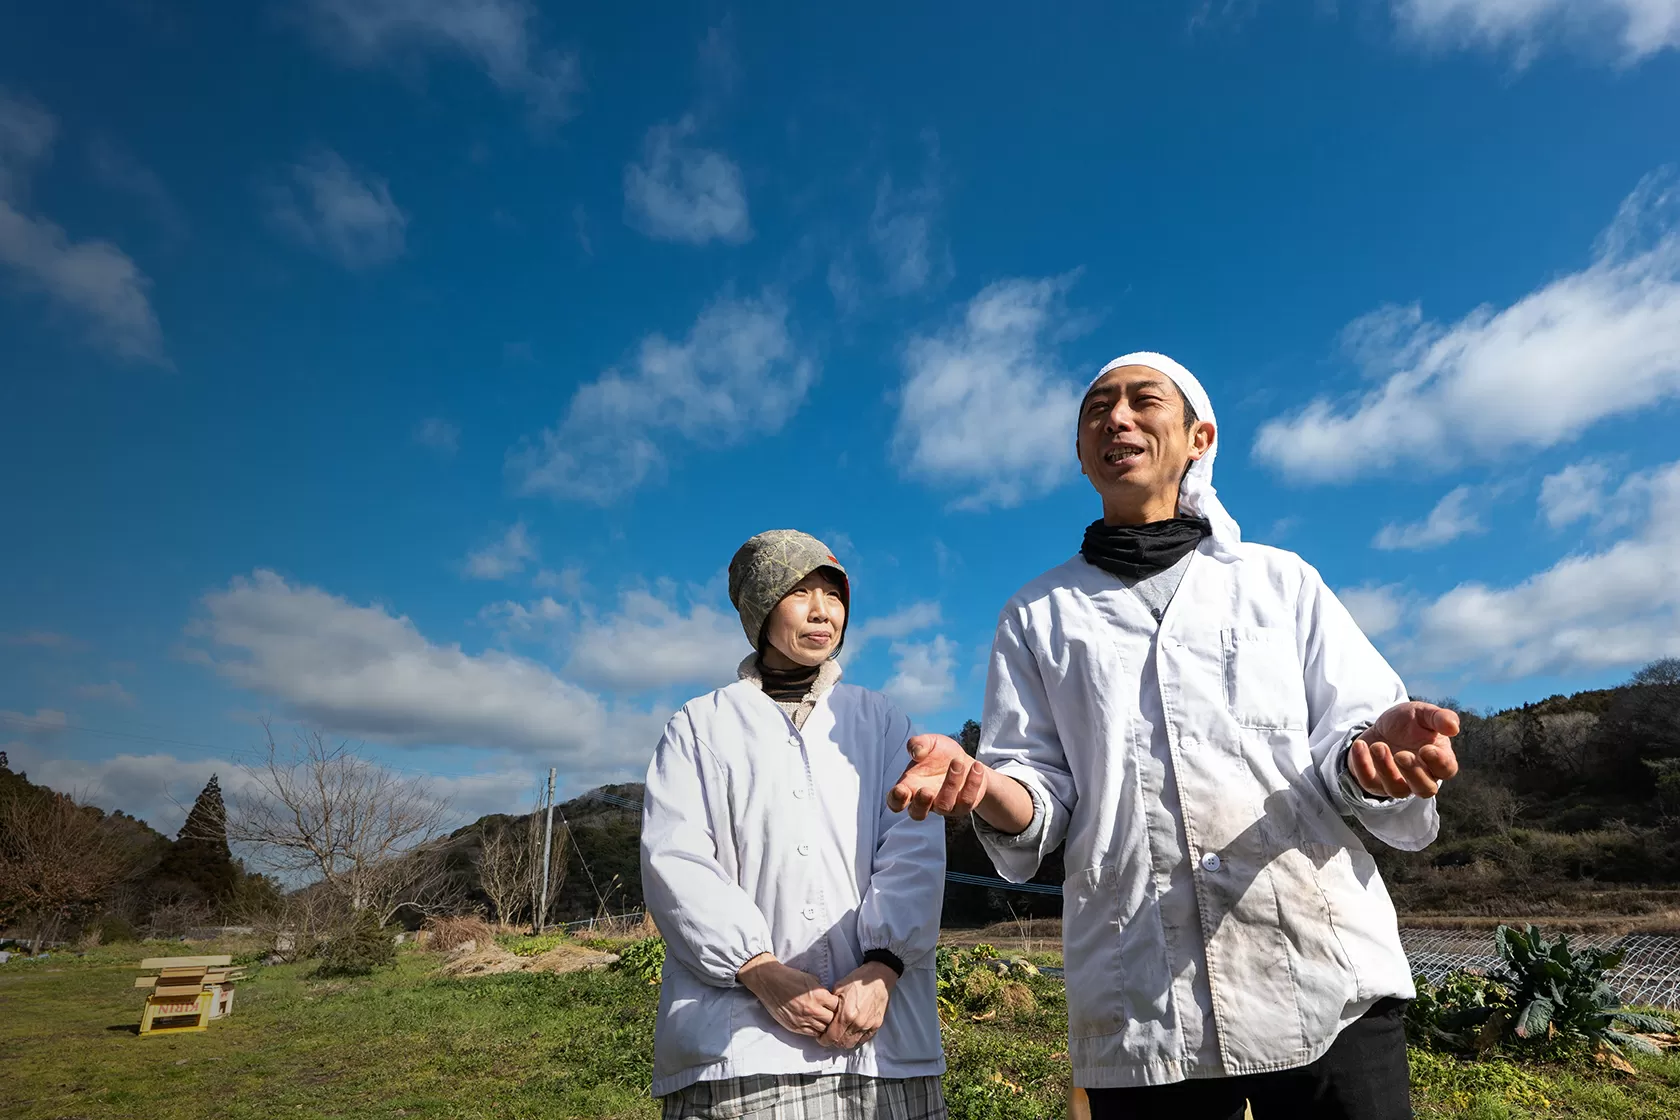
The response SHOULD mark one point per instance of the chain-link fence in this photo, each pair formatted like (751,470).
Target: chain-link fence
(1650,974)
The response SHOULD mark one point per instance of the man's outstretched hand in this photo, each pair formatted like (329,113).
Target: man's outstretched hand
(941,777)
(1408,750)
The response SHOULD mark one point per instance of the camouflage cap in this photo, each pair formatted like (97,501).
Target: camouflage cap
(768,566)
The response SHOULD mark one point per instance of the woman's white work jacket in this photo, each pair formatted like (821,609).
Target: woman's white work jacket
(759,837)
(1193,769)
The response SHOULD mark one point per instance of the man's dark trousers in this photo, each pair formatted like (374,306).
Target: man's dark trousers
(1363,1076)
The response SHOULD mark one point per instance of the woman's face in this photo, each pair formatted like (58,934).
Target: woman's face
(806,626)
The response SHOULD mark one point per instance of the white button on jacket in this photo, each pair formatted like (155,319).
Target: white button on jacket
(1219,733)
(724,823)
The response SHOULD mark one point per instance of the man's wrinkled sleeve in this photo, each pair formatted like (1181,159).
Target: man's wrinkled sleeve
(900,910)
(1348,686)
(711,926)
(1018,738)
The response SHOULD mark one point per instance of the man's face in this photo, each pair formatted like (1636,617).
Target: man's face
(1132,442)
(807,624)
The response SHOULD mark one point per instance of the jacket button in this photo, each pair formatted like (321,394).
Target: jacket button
(804,849)
(799,791)
(810,912)
(793,740)
(1210,861)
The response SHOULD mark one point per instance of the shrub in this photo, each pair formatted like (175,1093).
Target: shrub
(357,949)
(645,959)
(521,945)
(452,932)
(114,929)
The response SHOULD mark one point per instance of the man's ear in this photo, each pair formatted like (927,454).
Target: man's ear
(1201,438)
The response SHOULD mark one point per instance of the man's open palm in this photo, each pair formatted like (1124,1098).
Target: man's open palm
(1408,750)
(941,777)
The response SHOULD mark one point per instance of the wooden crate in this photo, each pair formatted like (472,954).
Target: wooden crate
(176,1014)
(186,994)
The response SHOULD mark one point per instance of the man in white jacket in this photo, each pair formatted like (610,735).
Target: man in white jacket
(1195,717)
(800,914)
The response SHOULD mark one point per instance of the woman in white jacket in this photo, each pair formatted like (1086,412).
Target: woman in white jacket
(800,914)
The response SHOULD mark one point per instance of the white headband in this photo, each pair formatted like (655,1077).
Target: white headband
(1196,496)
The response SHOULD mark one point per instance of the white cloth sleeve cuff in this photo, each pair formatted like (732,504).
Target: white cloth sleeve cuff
(1028,837)
(1352,792)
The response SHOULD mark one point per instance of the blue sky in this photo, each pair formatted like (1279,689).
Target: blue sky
(410,369)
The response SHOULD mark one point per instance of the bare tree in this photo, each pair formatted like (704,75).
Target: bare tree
(58,859)
(1570,739)
(506,868)
(362,832)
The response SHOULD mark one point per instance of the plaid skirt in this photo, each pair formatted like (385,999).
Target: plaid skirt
(809,1096)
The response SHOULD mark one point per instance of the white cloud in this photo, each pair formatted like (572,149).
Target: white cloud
(985,406)
(923,680)
(42,724)
(901,229)
(360,671)
(1637,28)
(108,693)
(157,788)
(119,170)
(438,435)
(1619,606)
(496,35)
(505,557)
(339,213)
(1377,609)
(892,627)
(1582,491)
(567,581)
(94,280)
(1601,342)
(1451,518)
(43,639)
(737,374)
(526,620)
(683,192)
(649,646)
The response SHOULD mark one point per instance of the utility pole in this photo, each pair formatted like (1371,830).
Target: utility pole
(548,837)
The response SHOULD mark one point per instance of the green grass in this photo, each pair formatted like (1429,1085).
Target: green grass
(406,1042)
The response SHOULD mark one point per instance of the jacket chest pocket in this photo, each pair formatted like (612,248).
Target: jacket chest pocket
(1264,687)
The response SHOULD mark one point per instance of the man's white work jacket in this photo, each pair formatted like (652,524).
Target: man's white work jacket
(1219,915)
(759,837)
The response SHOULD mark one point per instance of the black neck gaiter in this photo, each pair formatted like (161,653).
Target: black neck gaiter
(1135,552)
(787,684)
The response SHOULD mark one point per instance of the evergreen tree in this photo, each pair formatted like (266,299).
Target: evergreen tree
(200,858)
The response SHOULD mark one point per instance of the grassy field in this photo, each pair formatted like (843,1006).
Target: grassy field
(408,1042)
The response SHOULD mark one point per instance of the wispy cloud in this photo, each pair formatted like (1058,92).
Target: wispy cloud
(680,191)
(1633,29)
(1501,380)
(902,230)
(737,374)
(986,408)
(41,639)
(504,557)
(108,693)
(1377,608)
(1451,518)
(900,624)
(498,36)
(117,168)
(94,280)
(331,208)
(437,434)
